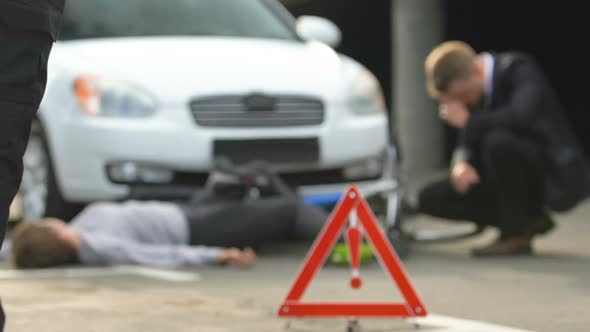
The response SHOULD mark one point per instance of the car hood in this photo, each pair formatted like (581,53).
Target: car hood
(178,69)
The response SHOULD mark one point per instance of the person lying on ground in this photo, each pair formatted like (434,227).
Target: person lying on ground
(167,234)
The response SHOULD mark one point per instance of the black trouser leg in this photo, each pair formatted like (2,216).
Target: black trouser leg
(254,223)
(309,222)
(23,75)
(242,224)
(2,317)
(513,166)
(15,128)
(510,196)
(440,199)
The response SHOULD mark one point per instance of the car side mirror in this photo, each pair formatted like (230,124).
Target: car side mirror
(319,29)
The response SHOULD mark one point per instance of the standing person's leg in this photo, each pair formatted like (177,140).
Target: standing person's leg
(23,76)
(15,126)
(2,317)
(515,169)
(440,199)
(15,123)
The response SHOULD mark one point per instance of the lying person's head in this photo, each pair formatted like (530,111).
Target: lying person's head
(45,244)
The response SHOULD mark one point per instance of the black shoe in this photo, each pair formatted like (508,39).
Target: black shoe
(541,226)
(513,246)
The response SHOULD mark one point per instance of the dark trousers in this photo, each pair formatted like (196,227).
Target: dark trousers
(2,317)
(511,193)
(15,128)
(253,223)
(23,76)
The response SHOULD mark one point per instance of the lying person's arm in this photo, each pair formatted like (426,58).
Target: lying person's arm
(105,250)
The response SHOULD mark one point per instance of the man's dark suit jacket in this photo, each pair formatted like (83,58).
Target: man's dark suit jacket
(28,29)
(524,103)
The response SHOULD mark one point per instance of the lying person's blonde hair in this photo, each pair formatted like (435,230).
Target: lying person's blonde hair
(34,245)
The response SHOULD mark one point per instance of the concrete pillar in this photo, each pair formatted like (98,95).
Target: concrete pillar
(417,27)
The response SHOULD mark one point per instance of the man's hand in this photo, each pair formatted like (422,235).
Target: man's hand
(454,113)
(241,258)
(464,176)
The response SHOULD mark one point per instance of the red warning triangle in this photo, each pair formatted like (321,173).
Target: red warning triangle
(351,202)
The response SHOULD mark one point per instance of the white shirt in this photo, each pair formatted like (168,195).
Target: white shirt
(489,64)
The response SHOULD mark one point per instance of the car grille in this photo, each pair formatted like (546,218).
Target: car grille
(257,111)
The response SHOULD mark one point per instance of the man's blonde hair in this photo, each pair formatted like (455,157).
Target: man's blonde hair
(448,62)
(37,246)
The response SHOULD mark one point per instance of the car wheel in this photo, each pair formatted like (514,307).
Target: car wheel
(39,192)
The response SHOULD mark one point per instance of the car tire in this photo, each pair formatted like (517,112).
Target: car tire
(40,194)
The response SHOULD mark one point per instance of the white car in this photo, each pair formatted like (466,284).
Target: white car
(143,95)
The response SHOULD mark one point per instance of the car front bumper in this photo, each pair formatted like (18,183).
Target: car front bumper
(84,149)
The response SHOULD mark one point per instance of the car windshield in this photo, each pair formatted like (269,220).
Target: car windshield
(128,18)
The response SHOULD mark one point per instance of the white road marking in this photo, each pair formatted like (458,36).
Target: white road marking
(432,323)
(461,325)
(165,275)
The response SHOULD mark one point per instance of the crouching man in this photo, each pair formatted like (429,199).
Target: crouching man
(517,158)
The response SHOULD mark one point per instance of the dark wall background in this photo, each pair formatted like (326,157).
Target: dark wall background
(553,32)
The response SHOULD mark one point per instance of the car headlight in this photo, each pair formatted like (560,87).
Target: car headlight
(366,94)
(102,97)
